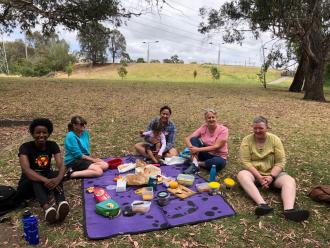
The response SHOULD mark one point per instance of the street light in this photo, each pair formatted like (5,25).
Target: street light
(148,46)
(219,44)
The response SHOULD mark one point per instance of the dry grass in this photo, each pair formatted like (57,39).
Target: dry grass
(116,110)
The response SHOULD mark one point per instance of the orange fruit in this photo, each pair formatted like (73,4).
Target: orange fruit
(173,184)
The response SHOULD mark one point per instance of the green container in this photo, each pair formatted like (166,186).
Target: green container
(108,208)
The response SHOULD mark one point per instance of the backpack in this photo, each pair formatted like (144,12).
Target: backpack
(7,199)
(320,193)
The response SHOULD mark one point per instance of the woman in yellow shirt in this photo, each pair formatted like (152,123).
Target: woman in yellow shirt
(263,158)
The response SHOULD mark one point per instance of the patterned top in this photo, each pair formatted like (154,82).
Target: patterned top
(169,131)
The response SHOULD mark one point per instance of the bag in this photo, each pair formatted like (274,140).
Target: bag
(7,199)
(320,193)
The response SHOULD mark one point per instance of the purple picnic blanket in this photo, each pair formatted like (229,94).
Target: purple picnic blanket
(200,207)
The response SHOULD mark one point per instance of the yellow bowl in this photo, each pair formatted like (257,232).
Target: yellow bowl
(229,182)
(214,185)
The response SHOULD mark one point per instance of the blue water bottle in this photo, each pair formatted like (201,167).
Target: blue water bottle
(213,173)
(30,228)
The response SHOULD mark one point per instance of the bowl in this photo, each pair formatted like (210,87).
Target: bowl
(114,163)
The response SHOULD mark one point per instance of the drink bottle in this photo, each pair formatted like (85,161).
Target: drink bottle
(213,173)
(30,228)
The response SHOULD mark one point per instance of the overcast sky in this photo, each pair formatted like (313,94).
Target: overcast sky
(175,29)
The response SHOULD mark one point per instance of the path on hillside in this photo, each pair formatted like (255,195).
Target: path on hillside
(277,81)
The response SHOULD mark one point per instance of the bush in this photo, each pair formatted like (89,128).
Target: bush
(122,72)
(69,69)
(215,73)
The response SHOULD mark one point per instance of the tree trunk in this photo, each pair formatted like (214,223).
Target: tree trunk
(315,51)
(299,76)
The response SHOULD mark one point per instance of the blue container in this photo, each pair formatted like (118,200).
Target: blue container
(30,228)
(213,173)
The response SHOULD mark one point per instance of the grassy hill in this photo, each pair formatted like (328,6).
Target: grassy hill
(170,72)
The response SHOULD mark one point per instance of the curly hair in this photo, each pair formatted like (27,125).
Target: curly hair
(41,122)
(165,107)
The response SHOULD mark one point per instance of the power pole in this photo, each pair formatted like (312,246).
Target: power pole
(3,59)
(148,47)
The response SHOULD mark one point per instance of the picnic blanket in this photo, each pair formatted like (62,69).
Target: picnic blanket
(200,207)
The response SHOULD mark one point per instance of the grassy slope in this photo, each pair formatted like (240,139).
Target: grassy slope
(116,110)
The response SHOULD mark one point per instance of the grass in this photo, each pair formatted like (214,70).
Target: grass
(117,109)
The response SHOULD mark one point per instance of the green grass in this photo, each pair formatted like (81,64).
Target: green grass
(117,109)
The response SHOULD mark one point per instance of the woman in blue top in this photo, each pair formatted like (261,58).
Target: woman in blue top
(77,152)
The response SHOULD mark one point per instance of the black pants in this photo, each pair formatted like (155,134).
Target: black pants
(29,189)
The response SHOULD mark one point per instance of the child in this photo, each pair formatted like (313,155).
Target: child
(37,178)
(155,142)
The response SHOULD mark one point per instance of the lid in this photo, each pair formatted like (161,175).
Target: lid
(229,182)
(214,185)
(163,194)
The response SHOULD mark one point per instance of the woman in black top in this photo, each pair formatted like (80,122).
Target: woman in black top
(38,178)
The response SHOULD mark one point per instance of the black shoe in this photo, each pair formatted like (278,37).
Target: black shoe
(67,175)
(192,169)
(50,215)
(263,209)
(62,210)
(296,214)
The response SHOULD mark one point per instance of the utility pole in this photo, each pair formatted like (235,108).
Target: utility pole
(3,59)
(219,46)
(148,47)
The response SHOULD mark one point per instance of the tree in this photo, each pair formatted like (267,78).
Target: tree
(69,69)
(167,61)
(117,45)
(93,39)
(304,22)
(154,61)
(74,15)
(140,60)
(195,74)
(215,73)
(122,72)
(175,59)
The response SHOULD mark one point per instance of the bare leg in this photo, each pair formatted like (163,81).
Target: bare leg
(246,180)
(103,165)
(152,156)
(140,149)
(94,170)
(288,190)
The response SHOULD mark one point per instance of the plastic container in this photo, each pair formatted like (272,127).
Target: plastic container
(30,228)
(163,198)
(229,183)
(213,173)
(108,208)
(114,163)
(215,186)
(100,194)
(147,193)
(185,179)
(203,187)
(140,206)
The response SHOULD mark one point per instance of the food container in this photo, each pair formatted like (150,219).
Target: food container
(203,187)
(140,206)
(163,198)
(114,163)
(121,186)
(185,179)
(108,208)
(147,193)
(214,187)
(126,167)
(229,182)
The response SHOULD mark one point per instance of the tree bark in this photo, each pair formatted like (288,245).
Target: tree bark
(299,76)
(315,51)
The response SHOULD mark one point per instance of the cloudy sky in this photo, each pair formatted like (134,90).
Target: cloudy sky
(175,26)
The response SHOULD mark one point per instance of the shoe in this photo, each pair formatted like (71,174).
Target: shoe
(50,215)
(62,210)
(67,175)
(296,214)
(192,169)
(263,209)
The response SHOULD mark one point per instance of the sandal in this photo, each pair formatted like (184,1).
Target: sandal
(263,209)
(296,214)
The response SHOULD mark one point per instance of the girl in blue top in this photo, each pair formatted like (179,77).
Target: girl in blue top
(77,152)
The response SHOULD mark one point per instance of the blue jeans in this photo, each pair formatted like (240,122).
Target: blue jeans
(208,158)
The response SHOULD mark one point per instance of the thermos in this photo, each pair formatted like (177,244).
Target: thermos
(213,173)
(30,228)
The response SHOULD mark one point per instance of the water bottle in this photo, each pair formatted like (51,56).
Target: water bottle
(30,228)
(213,173)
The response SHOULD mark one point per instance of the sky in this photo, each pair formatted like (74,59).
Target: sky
(175,27)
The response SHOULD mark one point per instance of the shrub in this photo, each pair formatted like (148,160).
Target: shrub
(122,72)
(215,73)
